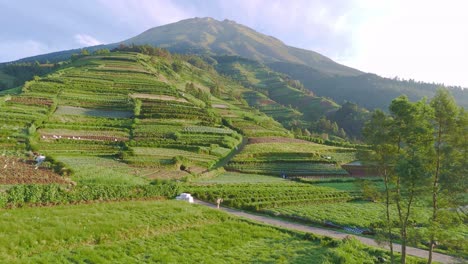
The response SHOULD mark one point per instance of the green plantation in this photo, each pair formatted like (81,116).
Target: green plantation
(141,231)
(124,132)
(258,196)
(291,158)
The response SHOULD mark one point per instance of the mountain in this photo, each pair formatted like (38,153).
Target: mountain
(210,36)
(226,37)
(319,74)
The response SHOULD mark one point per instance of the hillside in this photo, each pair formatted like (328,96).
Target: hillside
(367,90)
(140,115)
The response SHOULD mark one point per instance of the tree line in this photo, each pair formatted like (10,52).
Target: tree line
(420,149)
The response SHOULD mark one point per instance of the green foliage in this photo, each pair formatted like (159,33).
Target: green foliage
(259,196)
(19,195)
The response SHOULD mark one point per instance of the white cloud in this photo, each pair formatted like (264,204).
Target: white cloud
(419,39)
(86,40)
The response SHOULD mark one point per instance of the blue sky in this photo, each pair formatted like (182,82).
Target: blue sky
(420,39)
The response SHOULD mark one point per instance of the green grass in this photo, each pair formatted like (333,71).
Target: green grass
(155,231)
(356,214)
(370,215)
(233,177)
(102,170)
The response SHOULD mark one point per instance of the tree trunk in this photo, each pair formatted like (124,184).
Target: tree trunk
(403,247)
(389,221)
(435,191)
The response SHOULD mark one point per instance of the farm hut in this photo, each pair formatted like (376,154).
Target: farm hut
(357,169)
(185,197)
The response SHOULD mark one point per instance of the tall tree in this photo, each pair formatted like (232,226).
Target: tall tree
(445,121)
(412,168)
(382,155)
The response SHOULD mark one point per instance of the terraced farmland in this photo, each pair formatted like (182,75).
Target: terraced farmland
(291,158)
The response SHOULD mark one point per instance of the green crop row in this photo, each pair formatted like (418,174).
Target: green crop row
(258,196)
(288,168)
(20,195)
(207,130)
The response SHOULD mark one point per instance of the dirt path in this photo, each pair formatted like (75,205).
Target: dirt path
(331,233)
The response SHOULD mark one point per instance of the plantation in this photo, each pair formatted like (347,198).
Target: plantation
(233,177)
(14,170)
(258,196)
(291,158)
(141,232)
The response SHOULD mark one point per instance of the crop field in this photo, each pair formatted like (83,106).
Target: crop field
(103,170)
(288,169)
(267,195)
(14,170)
(233,177)
(71,110)
(17,114)
(254,74)
(107,105)
(163,153)
(111,232)
(279,112)
(291,157)
(158,97)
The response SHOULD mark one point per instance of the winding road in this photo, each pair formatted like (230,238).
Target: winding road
(331,233)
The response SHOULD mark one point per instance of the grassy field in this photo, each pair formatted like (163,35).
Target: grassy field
(102,170)
(141,231)
(371,215)
(233,177)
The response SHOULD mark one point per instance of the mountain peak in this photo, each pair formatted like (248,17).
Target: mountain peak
(227,37)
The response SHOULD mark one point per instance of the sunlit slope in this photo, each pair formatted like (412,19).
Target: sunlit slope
(276,94)
(155,114)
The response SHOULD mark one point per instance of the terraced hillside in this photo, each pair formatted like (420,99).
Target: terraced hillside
(291,158)
(153,114)
(276,94)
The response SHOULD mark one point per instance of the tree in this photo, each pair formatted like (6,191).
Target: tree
(445,116)
(413,130)
(382,155)
(400,151)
